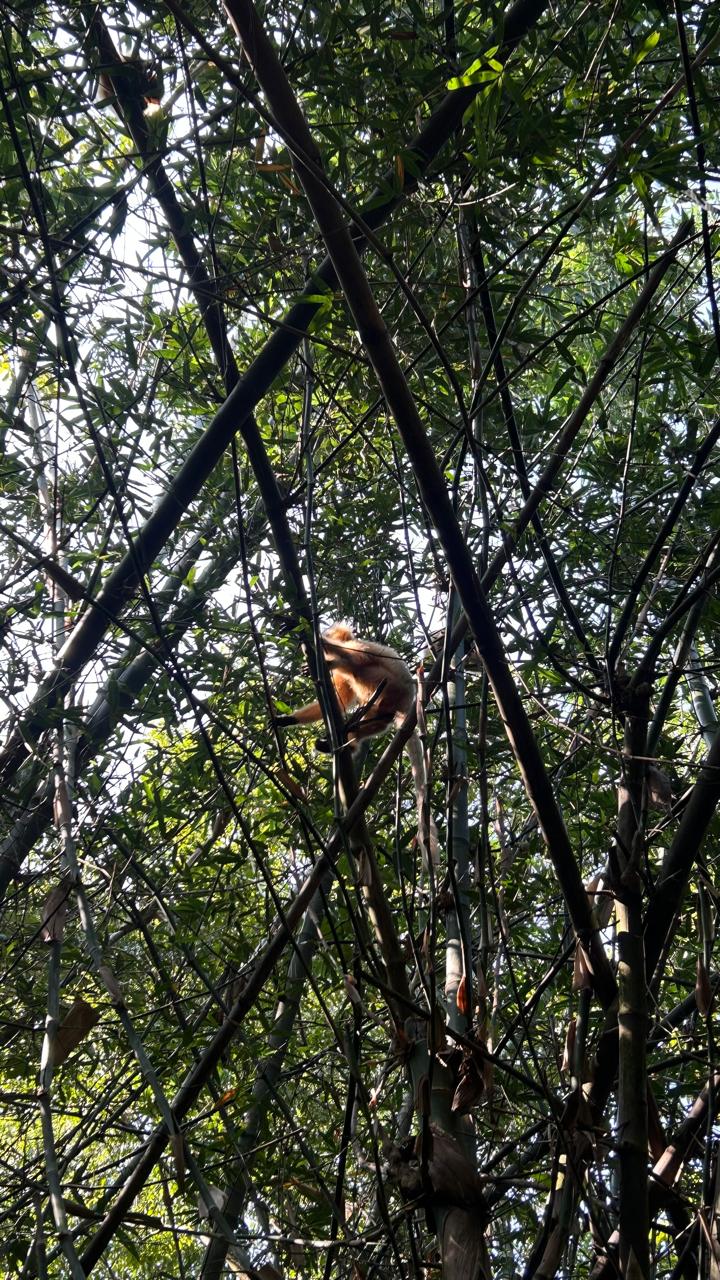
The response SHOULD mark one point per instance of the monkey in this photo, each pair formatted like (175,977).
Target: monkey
(373,678)
(131,85)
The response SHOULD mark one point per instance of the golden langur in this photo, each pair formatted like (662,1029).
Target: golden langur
(363,671)
(133,82)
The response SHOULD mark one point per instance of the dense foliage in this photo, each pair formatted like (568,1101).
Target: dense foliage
(213,447)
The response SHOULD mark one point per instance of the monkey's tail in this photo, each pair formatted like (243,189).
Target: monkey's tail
(427,831)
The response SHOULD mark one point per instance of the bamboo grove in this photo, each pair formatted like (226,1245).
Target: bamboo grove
(400,315)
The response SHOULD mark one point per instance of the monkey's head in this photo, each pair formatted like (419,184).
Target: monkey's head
(340,632)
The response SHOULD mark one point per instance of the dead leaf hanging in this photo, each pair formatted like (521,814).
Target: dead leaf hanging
(76,1024)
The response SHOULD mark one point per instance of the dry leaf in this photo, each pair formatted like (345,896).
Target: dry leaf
(600,897)
(54,913)
(364,870)
(656,1137)
(471,1083)
(351,990)
(462,998)
(419,699)
(582,971)
(292,785)
(591,889)
(422,1096)
(62,812)
(224,1098)
(76,1024)
(567,1058)
(659,788)
(463,1248)
(452,1174)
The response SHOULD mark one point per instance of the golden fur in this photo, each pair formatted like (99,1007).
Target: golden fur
(364,671)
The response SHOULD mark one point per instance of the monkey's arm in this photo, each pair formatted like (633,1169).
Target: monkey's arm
(345,691)
(306,715)
(303,715)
